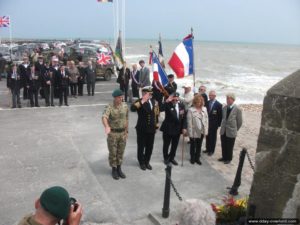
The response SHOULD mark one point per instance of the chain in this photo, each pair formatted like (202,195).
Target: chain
(249,159)
(173,186)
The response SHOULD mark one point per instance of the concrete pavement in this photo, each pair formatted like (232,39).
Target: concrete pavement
(66,146)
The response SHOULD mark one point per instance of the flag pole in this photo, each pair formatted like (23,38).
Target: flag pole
(194,79)
(10,36)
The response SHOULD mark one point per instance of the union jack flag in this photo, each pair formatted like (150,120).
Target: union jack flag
(103,59)
(4,21)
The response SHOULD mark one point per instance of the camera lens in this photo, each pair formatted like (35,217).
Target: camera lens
(73,202)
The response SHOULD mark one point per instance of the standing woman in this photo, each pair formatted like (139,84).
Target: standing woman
(74,74)
(197,120)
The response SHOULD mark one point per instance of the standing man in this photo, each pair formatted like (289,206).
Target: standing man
(2,65)
(63,82)
(172,127)
(81,78)
(115,121)
(215,118)
(90,74)
(144,77)
(188,96)
(148,112)
(24,71)
(202,92)
(171,87)
(14,84)
(231,122)
(135,74)
(33,82)
(123,79)
(54,79)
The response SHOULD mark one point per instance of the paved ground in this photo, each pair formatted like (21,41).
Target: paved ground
(66,146)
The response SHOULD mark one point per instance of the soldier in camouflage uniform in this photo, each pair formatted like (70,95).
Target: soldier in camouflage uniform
(115,121)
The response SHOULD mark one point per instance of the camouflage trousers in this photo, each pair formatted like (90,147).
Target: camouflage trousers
(116,143)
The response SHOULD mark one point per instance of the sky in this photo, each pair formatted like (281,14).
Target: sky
(256,21)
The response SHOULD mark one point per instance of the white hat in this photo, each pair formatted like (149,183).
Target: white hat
(187,86)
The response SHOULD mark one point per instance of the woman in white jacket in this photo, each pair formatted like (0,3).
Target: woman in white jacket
(197,123)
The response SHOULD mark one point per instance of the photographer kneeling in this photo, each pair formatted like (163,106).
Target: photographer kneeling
(52,207)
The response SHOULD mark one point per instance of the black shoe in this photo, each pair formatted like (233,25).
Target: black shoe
(13,107)
(173,161)
(227,161)
(66,105)
(120,172)
(19,106)
(89,94)
(192,161)
(148,166)
(142,166)
(221,159)
(37,106)
(114,173)
(198,162)
(52,105)
(205,151)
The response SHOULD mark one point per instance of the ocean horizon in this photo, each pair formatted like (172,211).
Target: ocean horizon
(247,69)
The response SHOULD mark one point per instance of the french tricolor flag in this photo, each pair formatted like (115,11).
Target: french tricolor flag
(182,60)
(159,74)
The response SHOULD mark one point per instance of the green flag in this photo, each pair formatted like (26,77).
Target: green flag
(119,52)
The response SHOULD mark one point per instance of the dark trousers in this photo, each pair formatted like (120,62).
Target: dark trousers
(195,148)
(33,96)
(80,88)
(73,87)
(227,144)
(25,92)
(63,95)
(211,140)
(90,87)
(46,91)
(145,146)
(124,88)
(173,140)
(15,92)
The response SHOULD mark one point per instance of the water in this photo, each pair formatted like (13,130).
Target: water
(248,70)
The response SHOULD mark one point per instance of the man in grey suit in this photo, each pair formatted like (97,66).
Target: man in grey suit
(144,77)
(231,123)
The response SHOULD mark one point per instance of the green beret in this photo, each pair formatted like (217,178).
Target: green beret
(117,93)
(56,201)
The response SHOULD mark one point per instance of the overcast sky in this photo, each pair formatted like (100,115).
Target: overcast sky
(266,21)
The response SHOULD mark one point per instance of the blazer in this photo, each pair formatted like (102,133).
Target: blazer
(214,115)
(172,124)
(144,77)
(147,117)
(194,119)
(233,123)
(90,74)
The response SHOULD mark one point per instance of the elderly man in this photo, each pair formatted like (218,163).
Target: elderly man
(53,206)
(148,112)
(144,76)
(115,121)
(231,123)
(214,110)
(172,127)
(188,96)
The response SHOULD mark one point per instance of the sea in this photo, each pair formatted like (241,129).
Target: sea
(246,69)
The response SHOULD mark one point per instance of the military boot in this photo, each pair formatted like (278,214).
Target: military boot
(114,173)
(121,174)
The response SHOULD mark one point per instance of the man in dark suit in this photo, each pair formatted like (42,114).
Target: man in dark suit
(148,111)
(171,87)
(202,92)
(214,110)
(173,126)
(90,74)
(135,81)
(231,122)
(123,79)
(24,70)
(63,82)
(54,80)
(33,84)
(14,84)
(144,77)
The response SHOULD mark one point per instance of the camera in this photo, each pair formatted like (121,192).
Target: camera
(73,202)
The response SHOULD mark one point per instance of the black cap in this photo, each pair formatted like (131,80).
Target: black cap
(170,75)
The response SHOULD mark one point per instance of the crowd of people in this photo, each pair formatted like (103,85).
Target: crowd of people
(193,115)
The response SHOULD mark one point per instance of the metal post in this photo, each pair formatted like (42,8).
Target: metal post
(166,207)
(237,179)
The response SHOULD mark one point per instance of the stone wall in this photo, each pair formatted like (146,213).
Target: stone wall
(275,191)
